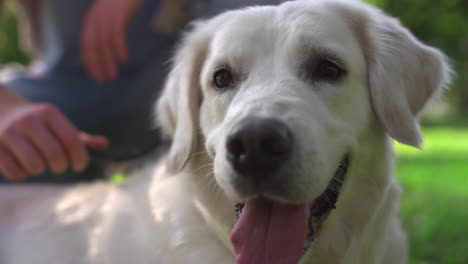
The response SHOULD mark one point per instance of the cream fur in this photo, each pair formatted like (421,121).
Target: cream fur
(181,210)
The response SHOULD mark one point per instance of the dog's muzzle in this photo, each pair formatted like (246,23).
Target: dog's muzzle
(320,209)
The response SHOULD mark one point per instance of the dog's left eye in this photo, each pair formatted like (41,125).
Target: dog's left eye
(326,70)
(223,79)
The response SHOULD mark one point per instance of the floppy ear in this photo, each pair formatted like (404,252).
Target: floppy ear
(403,73)
(178,106)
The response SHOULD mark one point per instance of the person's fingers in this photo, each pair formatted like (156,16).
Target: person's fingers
(90,63)
(90,48)
(95,143)
(25,153)
(49,147)
(9,167)
(119,37)
(108,56)
(113,49)
(68,137)
(129,9)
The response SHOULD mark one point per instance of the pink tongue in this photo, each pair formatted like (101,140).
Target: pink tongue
(269,232)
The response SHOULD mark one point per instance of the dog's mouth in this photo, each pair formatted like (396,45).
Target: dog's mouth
(274,233)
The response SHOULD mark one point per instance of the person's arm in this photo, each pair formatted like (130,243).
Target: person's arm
(37,136)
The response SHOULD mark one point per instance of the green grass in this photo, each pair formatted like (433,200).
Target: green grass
(118,178)
(435,198)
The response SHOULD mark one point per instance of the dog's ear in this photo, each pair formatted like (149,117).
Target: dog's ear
(403,73)
(178,106)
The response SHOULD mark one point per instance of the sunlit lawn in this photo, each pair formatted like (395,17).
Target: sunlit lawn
(435,199)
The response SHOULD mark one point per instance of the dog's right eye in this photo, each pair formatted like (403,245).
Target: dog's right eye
(223,79)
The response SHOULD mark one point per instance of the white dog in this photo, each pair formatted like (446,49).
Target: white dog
(286,111)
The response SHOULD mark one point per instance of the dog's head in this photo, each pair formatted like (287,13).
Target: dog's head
(280,95)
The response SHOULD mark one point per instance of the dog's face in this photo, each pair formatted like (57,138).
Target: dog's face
(284,100)
(280,96)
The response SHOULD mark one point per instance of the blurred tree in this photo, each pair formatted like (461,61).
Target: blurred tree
(10,50)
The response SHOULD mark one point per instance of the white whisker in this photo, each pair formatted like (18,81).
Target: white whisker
(203,166)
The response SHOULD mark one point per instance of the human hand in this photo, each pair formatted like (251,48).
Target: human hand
(35,137)
(104,37)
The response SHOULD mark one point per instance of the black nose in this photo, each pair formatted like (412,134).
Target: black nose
(259,145)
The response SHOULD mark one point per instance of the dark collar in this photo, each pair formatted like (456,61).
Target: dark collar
(326,202)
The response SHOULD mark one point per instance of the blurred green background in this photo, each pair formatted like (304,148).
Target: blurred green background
(435,181)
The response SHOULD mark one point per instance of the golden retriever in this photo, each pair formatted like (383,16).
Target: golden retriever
(282,120)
